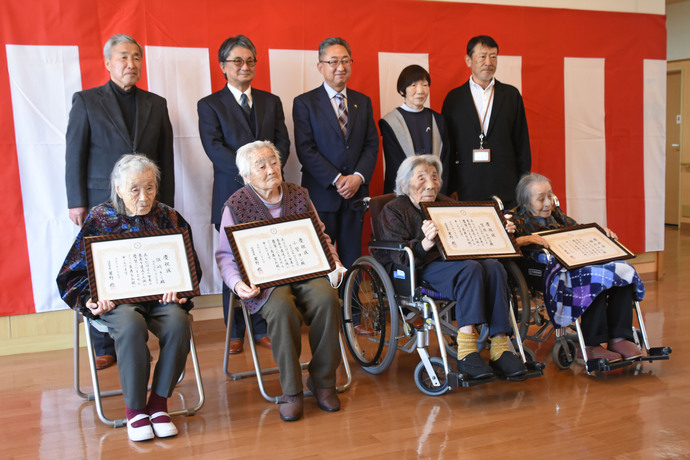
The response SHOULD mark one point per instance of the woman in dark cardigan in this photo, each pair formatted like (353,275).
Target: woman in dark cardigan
(413,129)
(479,286)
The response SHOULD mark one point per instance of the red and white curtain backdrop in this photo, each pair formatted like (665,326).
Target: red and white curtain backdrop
(593,84)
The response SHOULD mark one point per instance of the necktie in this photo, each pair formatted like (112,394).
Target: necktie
(342,113)
(244,103)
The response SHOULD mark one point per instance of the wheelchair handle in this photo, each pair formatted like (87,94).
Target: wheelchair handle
(362,203)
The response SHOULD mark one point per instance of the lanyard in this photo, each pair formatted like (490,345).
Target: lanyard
(483,119)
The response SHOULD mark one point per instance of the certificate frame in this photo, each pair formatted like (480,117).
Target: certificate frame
(462,221)
(119,249)
(563,252)
(248,242)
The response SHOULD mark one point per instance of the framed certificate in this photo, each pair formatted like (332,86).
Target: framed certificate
(279,251)
(470,230)
(582,245)
(141,266)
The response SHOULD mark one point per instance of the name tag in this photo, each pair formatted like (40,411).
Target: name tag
(481,155)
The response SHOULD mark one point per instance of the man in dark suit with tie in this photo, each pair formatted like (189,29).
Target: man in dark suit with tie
(105,123)
(488,129)
(337,144)
(228,119)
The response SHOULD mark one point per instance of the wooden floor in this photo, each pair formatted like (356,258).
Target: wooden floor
(641,412)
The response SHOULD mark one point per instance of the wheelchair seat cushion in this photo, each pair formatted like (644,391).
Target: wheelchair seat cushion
(424,289)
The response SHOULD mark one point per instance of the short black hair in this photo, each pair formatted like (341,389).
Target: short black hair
(411,74)
(480,40)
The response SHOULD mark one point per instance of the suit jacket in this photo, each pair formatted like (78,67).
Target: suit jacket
(507,137)
(224,128)
(97,137)
(322,150)
(398,146)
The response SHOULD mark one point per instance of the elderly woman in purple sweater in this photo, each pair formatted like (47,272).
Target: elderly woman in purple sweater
(286,307)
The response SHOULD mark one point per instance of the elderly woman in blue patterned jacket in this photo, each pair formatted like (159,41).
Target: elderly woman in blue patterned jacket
(134,184)
(285,308)
(600,295)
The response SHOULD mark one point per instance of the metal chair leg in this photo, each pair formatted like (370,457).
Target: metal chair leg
(258,372)
(97,394)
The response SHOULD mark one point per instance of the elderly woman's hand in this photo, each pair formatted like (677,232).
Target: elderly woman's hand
(100,307)
(510,226)
(430,230)
(610,233)
(171,297)
(531,239)
(246,292)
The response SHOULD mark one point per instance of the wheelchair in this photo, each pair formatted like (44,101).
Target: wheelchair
(383,314)
(568,339)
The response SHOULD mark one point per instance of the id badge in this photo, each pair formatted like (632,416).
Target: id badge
(481,155)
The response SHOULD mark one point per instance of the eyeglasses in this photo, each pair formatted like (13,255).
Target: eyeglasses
(239,62)
(334,63)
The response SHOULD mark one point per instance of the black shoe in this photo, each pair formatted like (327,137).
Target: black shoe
(508,365)
(474,367)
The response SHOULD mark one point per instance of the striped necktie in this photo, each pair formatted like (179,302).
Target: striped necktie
(342,113)
(244,103)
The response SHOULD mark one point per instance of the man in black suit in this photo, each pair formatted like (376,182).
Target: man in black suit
(337,144)
(228,119)
(488,129)
(105,123)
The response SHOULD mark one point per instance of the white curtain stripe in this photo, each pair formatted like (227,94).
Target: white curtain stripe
(585,139)
(654,152)
(182,77)
(42,82)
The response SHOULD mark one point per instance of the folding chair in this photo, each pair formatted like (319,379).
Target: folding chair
(97,394)
(258,372)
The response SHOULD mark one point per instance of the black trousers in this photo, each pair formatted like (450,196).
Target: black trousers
(609,316)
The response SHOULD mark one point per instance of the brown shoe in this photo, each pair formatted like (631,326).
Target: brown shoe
(599,352)
(626,349)
(326,398)
(235,346)
(264,342)
(104,361)
(291,407)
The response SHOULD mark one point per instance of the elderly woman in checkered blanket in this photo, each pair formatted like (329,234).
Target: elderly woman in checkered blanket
(600,295)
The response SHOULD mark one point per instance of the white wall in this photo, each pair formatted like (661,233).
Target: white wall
(678,31)
(621,6)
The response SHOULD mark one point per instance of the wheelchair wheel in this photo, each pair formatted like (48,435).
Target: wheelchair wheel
(529,354)
(519,297)
(560,358)
(423,381)
(370,315)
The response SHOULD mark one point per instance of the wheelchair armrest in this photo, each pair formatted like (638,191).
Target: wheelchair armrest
(534,248)
(387,245)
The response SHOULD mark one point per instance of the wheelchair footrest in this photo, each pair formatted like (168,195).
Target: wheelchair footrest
(603,365)
(654,354)
(457,380)
(534,369)
(657,353)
